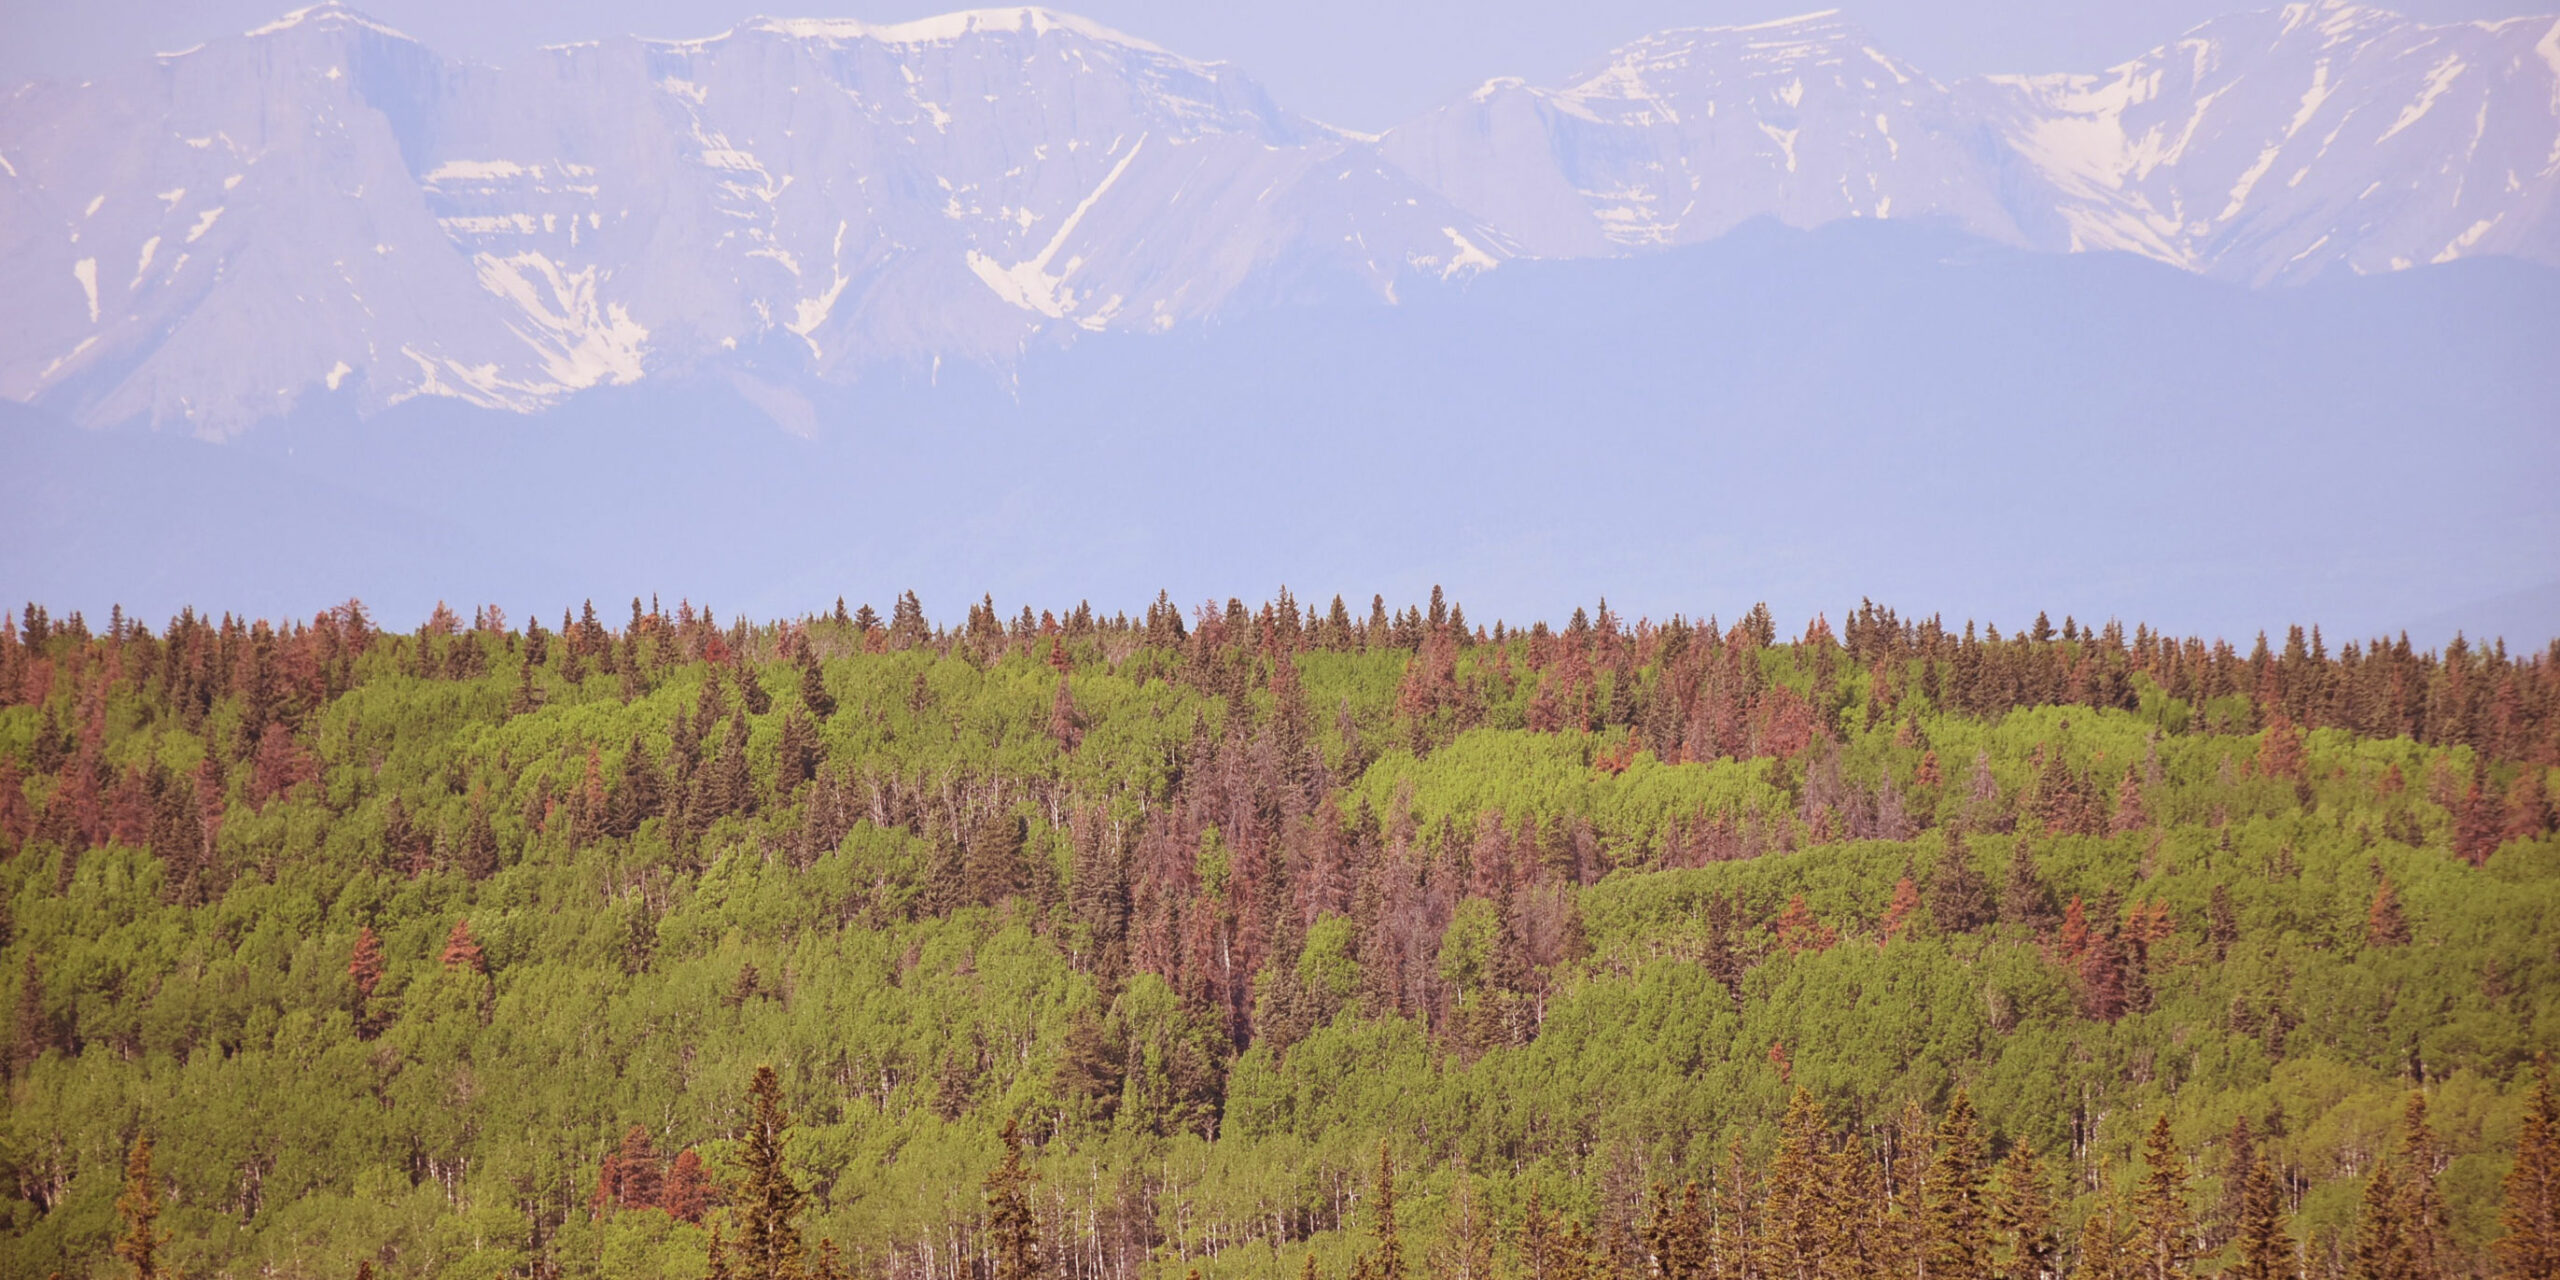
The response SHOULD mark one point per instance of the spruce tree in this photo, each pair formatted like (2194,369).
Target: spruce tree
(2265,1249)
(1551,1245)
(813,688)
(2382,1244)
(767,1201)
(1958,1244)
(2022,1215)
(1959,900)
(1796,1208)
(1675,1234)
(140,1208)
(686,1194)
(2385,924)
(2101,1249)
(2025,900)
(1012,1230)
(2424,1219)
(2530,1249)
(1384,1259)
(2164,1227)
(461,951)
(1465,1250)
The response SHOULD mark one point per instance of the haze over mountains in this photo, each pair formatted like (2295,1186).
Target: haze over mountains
(323,207)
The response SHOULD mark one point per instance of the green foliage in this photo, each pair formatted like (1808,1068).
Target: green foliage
(1292,895)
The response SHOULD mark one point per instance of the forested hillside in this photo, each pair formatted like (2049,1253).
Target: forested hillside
(1272,941)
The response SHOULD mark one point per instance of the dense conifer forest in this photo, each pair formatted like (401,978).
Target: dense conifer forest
(1277,941)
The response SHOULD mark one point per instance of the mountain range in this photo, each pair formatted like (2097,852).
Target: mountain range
(324,212)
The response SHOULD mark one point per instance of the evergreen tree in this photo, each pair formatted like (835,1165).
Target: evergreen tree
(1676,1234)
(767,1205)
(2385,925)
(1012,1230)
(479,859)
(637,794)
(814,697)
(2265,1249)
(2164,1227)
(686,1194)
(1796,1222)
(461,951)
(140,1208)
(2530,1249)
(2222,921)
(1384,1259)
(1959,899)
(2101,1249)
(2382,1249)
(1552,1246)
(364,967)
(2025,899)
(730,788)
(2022,1215)
(2424,1218)
(1959,1236)
(31,1030)
(994,867)
(2239,1151)
(1465,1249)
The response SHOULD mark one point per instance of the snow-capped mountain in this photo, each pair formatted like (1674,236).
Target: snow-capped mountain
(1678,137)
(324,207)
(2276,145)
(2261,147)
(324,202)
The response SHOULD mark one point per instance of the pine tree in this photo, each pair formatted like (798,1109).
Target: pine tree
(637,794)
(716,1262)
(461,951)
(479,859)
(2239,1150)
(2382,1243)
(1959,1241)
(814,697)
(1959,900)
(2164,1228)
(2025,900)
(1465,1249)
(1796,1209)
(686,1195)
(1899,911)
(2385,926)
(636,1180)
(1675,1233)
(1012,1230)
(2222,921)
(2101,1249)
(364,969)
(1551,1245)
(768,1202)
(1384,1259)
(2424,1219)
(1066,725)
(2022,1215)
(140,1207)
(32,1029)
(2530,1249)
(364,963)
(2265,1248)
(994,866)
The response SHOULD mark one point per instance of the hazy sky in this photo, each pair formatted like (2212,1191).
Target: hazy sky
(1365,64)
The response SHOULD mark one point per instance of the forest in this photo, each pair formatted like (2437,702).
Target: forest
(1284,941)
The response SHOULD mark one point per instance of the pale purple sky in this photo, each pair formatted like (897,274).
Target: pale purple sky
(1364,64)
